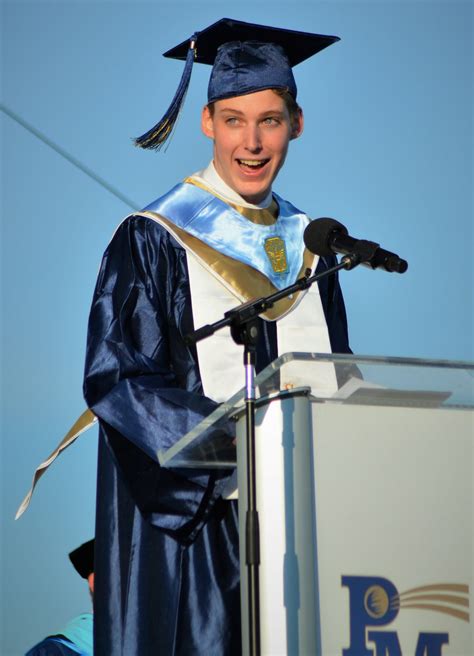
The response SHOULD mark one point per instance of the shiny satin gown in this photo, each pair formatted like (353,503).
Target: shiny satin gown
(167,561)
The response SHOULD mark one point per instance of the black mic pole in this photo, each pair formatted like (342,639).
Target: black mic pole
(247,334)
(252,530)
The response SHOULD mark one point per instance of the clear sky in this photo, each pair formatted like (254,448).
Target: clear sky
(387,150)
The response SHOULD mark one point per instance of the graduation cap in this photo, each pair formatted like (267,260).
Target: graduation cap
(245,58)
(83,558)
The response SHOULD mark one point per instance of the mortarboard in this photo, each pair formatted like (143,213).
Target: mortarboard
(245,58)
(83,558)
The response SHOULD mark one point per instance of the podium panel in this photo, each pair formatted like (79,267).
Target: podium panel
(394,517)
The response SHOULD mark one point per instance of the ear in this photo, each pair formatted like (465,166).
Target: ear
(297,125)
(207,122)
(90,580)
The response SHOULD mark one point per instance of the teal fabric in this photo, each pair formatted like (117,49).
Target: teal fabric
(214,222)
(79,631)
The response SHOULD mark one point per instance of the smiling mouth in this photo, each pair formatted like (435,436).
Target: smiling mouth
(252,164)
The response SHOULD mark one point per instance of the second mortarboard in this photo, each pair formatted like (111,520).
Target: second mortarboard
(245,58)
(83,558)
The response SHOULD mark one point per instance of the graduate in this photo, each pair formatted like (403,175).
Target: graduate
(167,561)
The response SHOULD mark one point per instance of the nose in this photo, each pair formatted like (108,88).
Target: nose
(253,139)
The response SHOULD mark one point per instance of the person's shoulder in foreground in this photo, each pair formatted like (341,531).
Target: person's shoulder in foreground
(61,645)
(77,635)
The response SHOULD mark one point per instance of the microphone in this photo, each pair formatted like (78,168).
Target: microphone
(327,236)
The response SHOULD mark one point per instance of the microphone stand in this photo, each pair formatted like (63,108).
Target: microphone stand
(244,330)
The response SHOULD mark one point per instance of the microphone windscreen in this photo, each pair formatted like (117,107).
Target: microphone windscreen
(317,235)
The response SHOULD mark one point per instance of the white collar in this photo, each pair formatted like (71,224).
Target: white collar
(210,178)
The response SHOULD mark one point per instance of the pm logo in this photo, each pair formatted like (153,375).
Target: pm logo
(375,602)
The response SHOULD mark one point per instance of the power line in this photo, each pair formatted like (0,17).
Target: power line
(70,158)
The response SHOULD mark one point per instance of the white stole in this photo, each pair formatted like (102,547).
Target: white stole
(303,328)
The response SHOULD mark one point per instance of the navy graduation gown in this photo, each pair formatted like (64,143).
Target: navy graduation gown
(167,562)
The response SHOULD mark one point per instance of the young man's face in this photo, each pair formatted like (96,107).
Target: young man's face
(251,135)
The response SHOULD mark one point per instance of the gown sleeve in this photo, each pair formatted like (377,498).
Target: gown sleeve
(142,380)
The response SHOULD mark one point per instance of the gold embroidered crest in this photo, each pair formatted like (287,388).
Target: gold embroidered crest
(275,249)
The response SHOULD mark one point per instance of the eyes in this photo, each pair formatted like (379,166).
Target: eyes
(235,121)
(271,120)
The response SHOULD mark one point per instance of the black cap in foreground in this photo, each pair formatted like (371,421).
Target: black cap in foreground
(83,558)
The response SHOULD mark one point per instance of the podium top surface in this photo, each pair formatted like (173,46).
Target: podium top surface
(336,379)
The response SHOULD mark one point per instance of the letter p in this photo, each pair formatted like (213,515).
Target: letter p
(373,601)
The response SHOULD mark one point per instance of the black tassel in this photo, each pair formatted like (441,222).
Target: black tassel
(158,135)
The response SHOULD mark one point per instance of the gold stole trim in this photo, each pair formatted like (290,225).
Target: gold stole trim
(83,423)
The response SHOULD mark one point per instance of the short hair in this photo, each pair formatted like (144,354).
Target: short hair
(292,106)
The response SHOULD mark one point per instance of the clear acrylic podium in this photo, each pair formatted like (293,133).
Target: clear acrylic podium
(365,500)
